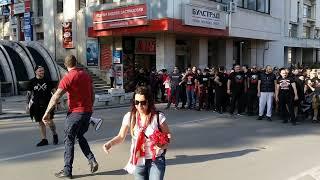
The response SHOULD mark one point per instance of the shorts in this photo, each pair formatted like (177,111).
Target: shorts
(37,112)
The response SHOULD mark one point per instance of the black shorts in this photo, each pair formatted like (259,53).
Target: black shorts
(37,112)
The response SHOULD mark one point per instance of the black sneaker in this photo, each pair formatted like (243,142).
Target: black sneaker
(55,139)
(285,121)
(269,119)
(43,142)
(93,166)
(61,174)
(259,118)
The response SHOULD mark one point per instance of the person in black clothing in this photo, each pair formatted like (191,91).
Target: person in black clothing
(299,80)
(142,79)
(211,91)
(221,80)
(252,80)
(39,93)
(182,94)
(203,85)
(176,78)
(286,94)
(236,87)
(246,72)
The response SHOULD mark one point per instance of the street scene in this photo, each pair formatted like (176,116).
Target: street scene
(160,89)
(205,145)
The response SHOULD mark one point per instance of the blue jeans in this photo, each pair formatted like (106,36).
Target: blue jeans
(76,125)
(152,170)
(191,98)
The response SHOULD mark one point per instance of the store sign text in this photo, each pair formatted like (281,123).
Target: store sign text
(204,17)
(120,17)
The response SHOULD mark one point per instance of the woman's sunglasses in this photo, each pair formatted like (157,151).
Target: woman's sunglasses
(143,103)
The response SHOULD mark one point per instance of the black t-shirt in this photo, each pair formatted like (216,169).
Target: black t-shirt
(175,79)
(204,79)
(285,86)
(237,81)
(253,78)
(223,78)
(41,90)
(267,82)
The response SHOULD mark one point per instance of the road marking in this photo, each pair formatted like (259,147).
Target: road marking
(94,141)
(313,172)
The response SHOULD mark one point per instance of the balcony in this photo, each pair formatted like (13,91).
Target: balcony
(301,42)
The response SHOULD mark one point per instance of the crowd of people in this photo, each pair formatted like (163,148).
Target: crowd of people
(291,92)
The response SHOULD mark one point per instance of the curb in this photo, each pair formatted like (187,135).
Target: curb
(16,115)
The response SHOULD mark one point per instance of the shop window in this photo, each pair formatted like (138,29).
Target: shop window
(40,8)
(59,6)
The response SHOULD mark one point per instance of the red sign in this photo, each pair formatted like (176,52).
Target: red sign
(67,35)
(120,17)
(105,56)
(145,46)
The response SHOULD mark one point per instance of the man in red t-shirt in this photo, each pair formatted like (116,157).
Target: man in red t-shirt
(78,84)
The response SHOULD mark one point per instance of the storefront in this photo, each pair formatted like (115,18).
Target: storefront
(146,42)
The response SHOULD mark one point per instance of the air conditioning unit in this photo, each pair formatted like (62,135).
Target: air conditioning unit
(232,7)
(36,20)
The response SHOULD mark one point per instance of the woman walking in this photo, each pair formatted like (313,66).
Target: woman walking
(147,160)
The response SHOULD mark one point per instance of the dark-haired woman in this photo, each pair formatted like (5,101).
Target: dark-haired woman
(142,121)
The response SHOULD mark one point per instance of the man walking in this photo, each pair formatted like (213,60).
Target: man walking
(266,88)
(78,84)
(39,94)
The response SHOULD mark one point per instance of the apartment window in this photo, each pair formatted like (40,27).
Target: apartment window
(317,34)
(306,32)
(257,5)
(59,6)
(293,30)
(252,4)
(40,8)
(40,36)
(306,11)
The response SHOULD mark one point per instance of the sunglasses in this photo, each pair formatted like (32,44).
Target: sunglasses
(143,103)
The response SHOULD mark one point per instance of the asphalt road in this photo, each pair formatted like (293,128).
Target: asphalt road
(205,145)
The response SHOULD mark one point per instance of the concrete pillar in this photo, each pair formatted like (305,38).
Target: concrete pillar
(165,51)
(229,54)
(49,13)
(253,53)
(300,16)
(199,53)
(225,53)
(203,53)
(317,55)
(299,56)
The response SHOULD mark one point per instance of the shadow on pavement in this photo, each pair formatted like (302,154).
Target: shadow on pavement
(180,159)
(185,159)
(117,172)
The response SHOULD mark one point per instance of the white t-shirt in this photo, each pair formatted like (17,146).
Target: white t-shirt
(149,131)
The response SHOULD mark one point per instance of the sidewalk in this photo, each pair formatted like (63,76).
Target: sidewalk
(15,107)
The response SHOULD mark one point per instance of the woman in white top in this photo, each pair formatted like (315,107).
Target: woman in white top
(142,121)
